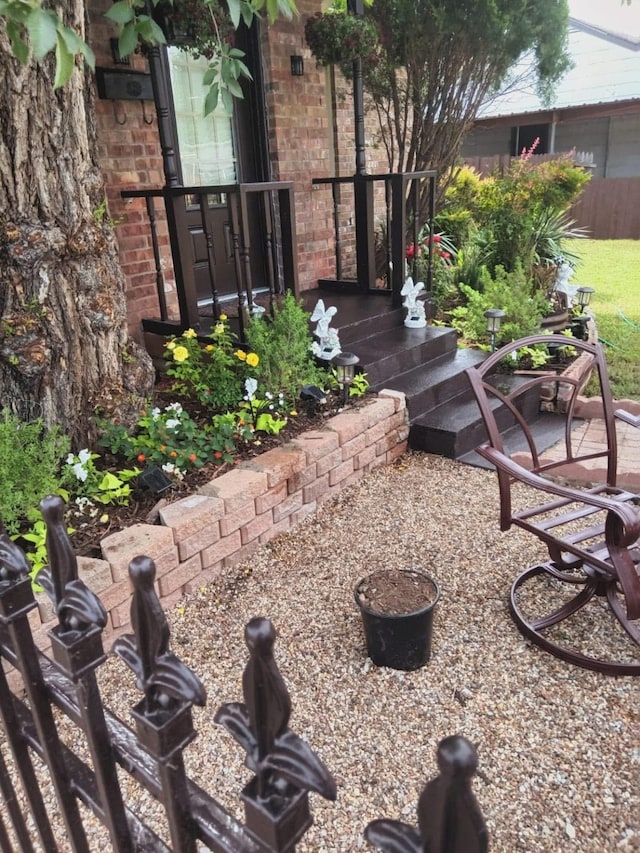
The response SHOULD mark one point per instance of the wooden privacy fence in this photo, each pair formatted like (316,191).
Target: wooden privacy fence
(276,799)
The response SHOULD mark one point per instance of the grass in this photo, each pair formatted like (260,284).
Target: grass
(612,267)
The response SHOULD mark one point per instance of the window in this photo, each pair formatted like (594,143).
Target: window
(523,137)
(207,154)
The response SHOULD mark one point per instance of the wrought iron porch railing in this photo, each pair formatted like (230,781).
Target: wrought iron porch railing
(390,210)
(258,216)
(285,768)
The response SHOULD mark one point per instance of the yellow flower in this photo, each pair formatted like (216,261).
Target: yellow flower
(190,334)
(171,345)
(180,354)
(241,354)
(209,347)
(223,316)
(252,359)
(293,413)
(218,329)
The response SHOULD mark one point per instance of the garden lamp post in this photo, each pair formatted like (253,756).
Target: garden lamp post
(494,318)
(345,365)
(584,295)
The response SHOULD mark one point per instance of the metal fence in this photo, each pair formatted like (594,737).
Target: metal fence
(286,770)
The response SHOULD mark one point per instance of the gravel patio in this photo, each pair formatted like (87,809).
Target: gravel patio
(559,747)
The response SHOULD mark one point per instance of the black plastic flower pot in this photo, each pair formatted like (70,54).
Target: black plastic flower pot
(397,607)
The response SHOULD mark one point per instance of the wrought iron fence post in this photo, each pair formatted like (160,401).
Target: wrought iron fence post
(449,818)
(76,646)
(286,768)
(164,722)
(16,600)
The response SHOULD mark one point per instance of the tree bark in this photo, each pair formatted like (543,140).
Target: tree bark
(64,349)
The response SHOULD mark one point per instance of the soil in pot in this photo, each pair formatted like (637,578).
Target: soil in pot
(397,608)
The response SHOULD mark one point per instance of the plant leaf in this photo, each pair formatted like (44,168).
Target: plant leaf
(42,27)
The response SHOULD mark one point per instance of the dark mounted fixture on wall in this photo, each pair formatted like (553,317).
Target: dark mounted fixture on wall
(124,85)
(297,66)
(115,53)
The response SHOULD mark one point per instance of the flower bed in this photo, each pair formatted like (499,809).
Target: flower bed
(230,517)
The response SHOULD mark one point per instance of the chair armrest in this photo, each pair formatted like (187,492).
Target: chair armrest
(629,516)
(634,420)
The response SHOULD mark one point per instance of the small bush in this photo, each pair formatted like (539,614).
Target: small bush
(284,344)
(511,291)
(30,461)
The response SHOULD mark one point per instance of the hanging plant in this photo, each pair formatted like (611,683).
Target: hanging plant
(338,38)
(191,25)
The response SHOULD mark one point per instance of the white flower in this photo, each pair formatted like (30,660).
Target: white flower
(172,423)
(155,413)
(71,459)
(174,407)
(84,456)
(80,471)
(268,395)
(251,386)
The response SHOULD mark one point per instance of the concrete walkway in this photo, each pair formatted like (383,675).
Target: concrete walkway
(589,437)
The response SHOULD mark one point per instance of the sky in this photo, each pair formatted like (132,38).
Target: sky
(611,14)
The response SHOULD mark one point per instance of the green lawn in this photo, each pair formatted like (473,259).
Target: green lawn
(612,267)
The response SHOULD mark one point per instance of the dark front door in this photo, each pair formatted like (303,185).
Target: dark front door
(221,148)
(207,153)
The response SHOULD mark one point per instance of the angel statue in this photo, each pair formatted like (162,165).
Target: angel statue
(327,344)
(416,317)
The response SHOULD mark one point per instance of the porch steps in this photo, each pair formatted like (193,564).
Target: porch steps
(429,368)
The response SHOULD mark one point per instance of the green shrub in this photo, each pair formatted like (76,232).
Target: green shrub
(30,461)
(284,344)
(511,291)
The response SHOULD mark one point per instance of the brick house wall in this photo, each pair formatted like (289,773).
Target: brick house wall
(311,134)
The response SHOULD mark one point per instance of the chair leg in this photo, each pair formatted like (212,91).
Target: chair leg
(533,628)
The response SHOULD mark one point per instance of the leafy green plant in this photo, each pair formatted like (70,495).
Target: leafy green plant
(284,344)
(172,439)
(30,459)
(337,37)
(85,480)
(266,415)
(215,371)
(359,386)
(511,291)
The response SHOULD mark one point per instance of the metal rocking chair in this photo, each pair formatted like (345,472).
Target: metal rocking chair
(592,535)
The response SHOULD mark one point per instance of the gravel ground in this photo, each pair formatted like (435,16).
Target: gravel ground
(559,747)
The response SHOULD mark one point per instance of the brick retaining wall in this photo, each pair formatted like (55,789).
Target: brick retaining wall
(230,517)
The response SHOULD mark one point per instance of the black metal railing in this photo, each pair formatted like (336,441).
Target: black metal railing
(390,211)
(259,224)
(286,770)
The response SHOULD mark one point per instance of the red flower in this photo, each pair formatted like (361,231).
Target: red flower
(411,251)
(446,255)
(218,454)
(192,457)
(142,457)
(437,238)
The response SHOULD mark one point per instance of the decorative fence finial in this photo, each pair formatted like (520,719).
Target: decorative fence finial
(165,680)
(449,818)
(76,606)
(286,767)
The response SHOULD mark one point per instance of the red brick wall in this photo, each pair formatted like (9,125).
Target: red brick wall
(311,134)
(129,152)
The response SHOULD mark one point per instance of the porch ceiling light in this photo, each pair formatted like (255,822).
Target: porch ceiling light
(345,365)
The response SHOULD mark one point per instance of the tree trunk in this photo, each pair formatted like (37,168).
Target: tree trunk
(64,349)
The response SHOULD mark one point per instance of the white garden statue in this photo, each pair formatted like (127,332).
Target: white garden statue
(327,345)
(416,316)
(561,284)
